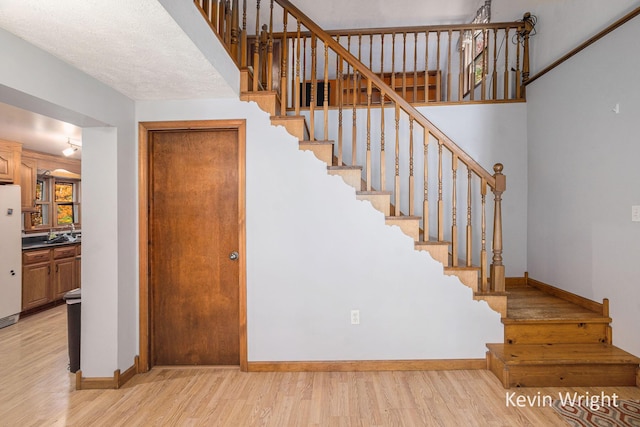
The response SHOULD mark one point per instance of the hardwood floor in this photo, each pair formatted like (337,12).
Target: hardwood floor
(37,390)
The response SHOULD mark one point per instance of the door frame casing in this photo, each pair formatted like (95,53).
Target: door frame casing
(144,131)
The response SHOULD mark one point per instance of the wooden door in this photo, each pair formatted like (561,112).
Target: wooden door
(193,229)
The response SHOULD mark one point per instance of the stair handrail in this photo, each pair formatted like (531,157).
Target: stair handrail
(389,92)
(496,182)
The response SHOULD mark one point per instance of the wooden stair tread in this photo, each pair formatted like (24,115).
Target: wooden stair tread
(561,354)
(344,167)
(287,118)
(462,268)
(403,217)
(373,193)
(526,302)
(317,142)
(432,243)
(511,321)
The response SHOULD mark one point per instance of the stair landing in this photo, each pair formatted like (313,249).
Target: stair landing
(553,342)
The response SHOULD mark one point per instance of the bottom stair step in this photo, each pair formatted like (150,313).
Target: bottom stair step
(562,365)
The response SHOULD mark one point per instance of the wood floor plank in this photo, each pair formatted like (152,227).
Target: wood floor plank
(38,390)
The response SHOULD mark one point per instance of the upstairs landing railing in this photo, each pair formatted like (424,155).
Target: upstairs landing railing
(381,116)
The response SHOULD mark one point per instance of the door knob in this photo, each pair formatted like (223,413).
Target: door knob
(233,256)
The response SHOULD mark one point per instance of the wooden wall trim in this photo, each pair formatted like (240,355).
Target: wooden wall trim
(105,383)
(144,129)
(586,44)
(568,296)
(514,281)
(369,365)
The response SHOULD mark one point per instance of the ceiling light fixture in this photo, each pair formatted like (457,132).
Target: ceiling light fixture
(72,148)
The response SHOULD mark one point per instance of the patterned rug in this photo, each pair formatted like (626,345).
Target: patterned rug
(627,413)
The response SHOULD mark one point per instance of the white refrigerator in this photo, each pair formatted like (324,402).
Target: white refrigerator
(10,255)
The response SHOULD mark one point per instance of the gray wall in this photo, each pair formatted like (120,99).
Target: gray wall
(562,25)
(34,80)
(584,177)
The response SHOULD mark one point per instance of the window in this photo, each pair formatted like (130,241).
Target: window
(57,202)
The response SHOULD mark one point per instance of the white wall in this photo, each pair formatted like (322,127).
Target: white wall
(490,134)
(562,25)
(35,80)
(584,178)
(314,253)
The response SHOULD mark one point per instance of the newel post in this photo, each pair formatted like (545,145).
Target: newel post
(497,269)
(528,21)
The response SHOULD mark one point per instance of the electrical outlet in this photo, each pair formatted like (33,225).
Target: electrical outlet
(635,213)
(355,317)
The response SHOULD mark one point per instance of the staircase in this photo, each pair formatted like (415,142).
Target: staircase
(556,339)
(548,341)
(380,200)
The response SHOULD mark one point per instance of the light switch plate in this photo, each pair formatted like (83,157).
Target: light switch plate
(635,213)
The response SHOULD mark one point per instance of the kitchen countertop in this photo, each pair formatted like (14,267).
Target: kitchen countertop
(40,244)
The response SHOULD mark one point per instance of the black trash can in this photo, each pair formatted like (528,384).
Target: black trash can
(73,327)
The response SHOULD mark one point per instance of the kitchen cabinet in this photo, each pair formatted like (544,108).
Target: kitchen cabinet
(10,153)
(36,278)
(64,271)
(28,176)
(47,274)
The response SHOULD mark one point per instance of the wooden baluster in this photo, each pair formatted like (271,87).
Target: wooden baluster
(354,132)
(382,57)
(304,73)
(234,29)
(454,211)
(485,64)
(415,69)
(284,65)
(461,65)
(449,68)
(340,104)
(368,159)
(314,83)
(517,70)
(497,269)
(348,75)
(383,166)
(411,179)
(270,50)
(438,60)
(371,52)
(506,64)
(425,202)
(264,55)
(337,72)
(213,13)
(243,36)
(426,66)
(359,80)
(227,22)
(397,175)
(494,85)
(256,50)
(221,19)
(469,241)
(393,61)
(440,202)
(296,89)
(483,243)
(325,94)
(404,65)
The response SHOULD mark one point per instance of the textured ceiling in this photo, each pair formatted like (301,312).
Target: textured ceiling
(136,47)
(133,46)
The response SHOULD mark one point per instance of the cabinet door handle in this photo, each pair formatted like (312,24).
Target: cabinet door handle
(57,266)
(49,269)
